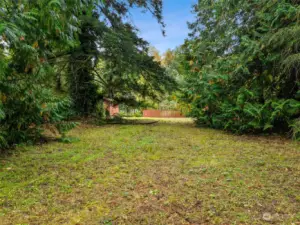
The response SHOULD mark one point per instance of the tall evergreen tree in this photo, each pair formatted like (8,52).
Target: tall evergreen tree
(37,38)
(82,61)
(128,72)
(241,64)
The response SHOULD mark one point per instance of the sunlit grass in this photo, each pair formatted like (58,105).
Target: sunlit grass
(166,173)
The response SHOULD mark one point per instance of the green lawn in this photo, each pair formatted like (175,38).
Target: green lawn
(165,173)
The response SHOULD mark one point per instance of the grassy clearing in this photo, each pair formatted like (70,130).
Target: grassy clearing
(165,173)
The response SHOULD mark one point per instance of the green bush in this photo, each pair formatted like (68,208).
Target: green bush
(131,114)
(32,32)
(295,125)
(240,66)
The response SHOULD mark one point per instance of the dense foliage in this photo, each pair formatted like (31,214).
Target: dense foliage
(49,54)
(241,65)
(30,34)
(238,70)
(112,62)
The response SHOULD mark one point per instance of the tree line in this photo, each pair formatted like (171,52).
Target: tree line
(240,66)
(237,71)
(60,58)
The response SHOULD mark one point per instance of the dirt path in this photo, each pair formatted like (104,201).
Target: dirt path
(165,173)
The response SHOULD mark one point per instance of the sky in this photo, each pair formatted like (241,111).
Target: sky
(176,14)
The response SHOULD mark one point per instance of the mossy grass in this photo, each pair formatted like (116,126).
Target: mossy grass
(170,172)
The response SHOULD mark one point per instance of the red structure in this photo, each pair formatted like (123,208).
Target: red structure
(111,108)
(162,113)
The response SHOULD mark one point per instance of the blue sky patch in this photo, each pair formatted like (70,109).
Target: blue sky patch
(176,14)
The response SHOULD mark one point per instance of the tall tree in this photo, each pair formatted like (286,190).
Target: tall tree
(128,72)
(241,65)
(37,39)
(82,61)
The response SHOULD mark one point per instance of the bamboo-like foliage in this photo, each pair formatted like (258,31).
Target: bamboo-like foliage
(31,32)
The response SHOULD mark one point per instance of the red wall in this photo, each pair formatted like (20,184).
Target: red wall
(113,109)
(162,113)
